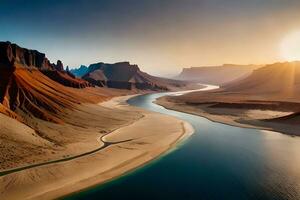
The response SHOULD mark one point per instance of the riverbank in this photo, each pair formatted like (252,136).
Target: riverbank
(240,117)
(129,148)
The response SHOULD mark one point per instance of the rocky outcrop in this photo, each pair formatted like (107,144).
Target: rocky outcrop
(59,66)
(121,71)
(12,56)
(123,75)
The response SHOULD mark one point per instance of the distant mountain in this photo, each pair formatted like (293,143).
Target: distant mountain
(79,72)
(218,75)
(123,75)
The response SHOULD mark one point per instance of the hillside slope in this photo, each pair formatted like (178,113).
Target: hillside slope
(279,79)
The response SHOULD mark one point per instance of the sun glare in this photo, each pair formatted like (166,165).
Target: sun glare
(290,46)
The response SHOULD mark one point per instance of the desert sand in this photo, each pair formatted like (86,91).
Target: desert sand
(121,148)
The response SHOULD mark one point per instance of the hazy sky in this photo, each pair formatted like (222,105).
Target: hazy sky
(162,36)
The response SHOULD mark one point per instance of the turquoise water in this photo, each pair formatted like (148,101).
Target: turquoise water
(217,162)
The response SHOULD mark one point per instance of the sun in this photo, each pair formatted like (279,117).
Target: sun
(290,46)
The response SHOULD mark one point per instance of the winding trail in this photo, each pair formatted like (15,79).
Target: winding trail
(100,139)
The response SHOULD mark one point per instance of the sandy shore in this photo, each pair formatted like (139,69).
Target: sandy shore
(251,118)
(129,148)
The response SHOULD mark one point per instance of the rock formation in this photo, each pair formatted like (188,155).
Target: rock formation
(123,75)
(11,55)
(59,66)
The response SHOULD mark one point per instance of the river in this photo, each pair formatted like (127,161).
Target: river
(217,162)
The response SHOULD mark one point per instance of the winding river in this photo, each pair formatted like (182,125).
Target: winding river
(217,162)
